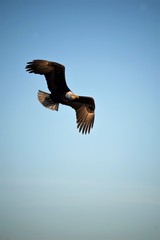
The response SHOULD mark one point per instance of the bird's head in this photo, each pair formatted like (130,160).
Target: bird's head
(71,96)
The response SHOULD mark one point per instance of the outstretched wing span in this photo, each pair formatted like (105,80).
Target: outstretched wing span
(53,72)
(55,77)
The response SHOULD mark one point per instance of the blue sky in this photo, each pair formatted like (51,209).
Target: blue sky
(55,183)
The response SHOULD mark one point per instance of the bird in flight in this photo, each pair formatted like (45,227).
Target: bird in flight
(61,94)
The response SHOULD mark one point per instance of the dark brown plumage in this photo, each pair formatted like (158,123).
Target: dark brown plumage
(60,93)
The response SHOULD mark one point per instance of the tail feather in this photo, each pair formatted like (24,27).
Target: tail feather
(45,99)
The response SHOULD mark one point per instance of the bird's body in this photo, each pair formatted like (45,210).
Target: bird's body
(61,94)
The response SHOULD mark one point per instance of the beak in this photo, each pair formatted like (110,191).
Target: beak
(75,96)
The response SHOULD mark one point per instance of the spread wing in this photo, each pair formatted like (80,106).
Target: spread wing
(53,72)
(85,113)
(85,119)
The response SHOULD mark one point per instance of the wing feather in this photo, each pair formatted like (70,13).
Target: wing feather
(53,72)
(85,119)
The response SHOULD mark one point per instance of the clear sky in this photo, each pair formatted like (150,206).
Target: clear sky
(55,183)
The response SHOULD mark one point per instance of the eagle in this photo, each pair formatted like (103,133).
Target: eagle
(61,94)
